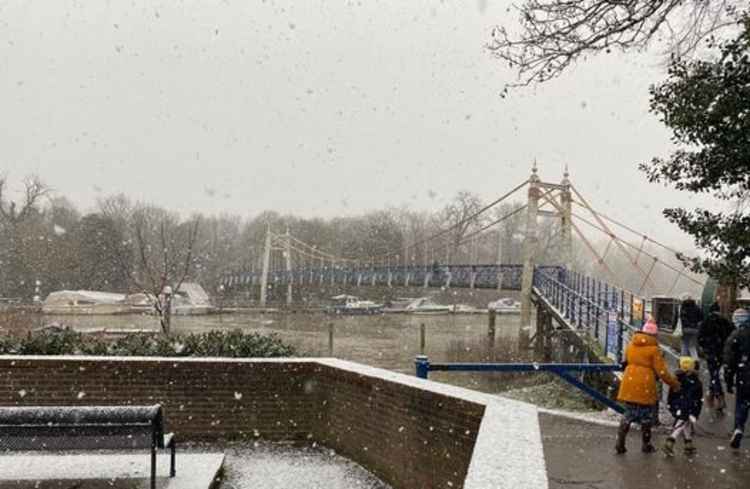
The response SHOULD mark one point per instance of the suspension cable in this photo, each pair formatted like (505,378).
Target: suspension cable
(458,224)
(626,243)
(628,228)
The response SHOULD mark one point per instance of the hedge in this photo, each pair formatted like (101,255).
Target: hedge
(233,344)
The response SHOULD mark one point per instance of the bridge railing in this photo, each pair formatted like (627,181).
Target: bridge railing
(505,277)
(608,314)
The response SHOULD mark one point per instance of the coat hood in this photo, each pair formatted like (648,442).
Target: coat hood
(643,339)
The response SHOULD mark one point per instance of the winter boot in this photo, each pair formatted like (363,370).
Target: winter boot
(689,447)
(711,401)
(669,447)
(646,446)
(720,404)
(622,433)
(736,439)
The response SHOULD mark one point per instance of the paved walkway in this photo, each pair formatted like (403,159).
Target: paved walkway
(581,455)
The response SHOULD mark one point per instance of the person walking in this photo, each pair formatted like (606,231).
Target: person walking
(737,371)
(712,335)
(644,363)
(685,406)
(691,317)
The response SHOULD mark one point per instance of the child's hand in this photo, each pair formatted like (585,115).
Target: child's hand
(693,419)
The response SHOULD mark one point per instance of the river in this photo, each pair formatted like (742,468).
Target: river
(390,341)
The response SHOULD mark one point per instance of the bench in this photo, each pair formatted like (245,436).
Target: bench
(87,428)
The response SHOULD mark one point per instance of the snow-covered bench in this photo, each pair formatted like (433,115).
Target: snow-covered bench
(86,428)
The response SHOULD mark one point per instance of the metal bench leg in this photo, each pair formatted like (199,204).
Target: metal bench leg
(172,471)
(153,467)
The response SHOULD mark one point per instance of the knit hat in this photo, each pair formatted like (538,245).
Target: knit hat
(687,364)
(741,318)
(650,328)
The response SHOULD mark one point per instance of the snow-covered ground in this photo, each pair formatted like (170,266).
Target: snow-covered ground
(246,466)
(274,466)
(95,470)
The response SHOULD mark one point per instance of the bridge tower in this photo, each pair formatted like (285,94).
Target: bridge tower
(530,246)
(288,266)
(266,265)
(566,215)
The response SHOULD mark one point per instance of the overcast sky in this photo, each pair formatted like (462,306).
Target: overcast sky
(319,108)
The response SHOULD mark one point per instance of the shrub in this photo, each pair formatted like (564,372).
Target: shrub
(234,344)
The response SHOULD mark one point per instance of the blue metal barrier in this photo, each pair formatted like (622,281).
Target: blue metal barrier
(424,367)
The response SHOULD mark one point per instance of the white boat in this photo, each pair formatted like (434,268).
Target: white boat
(505,305)
(425,305)
(350,304)
(466,309)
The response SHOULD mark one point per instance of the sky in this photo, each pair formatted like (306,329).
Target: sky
(314,107)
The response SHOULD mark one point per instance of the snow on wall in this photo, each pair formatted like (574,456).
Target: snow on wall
(507,452)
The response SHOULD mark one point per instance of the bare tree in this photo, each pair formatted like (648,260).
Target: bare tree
(165,253)
(460,216)
(20,246)
(34,191)
(557,33)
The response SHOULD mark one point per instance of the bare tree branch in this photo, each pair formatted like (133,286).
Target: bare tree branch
(557,33)
(192,238)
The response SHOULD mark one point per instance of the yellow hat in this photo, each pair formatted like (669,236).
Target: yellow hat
(687,363)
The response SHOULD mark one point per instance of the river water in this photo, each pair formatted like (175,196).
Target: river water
(390,341)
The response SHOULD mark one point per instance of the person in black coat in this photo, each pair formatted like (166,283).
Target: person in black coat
(737,371)
(712,335)
(691,317)
(685,405)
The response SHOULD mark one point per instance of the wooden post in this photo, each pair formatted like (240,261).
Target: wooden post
(541,329)
(492,316)
(330,339)
(266,265)
(422,338)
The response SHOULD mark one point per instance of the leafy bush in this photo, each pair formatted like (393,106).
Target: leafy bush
(234,344)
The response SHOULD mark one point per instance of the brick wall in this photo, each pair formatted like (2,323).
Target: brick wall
(203,400)
(409,436)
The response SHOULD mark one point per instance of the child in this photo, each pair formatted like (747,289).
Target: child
(685,405)
(644,363)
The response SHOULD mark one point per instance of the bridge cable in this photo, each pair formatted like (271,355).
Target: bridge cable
(630,229)
(592,250)
(458,224)
(626,243)
(609,231)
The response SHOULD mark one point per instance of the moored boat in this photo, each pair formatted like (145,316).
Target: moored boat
(353,305)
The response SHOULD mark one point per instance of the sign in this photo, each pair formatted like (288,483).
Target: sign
(637,311)
(613,332)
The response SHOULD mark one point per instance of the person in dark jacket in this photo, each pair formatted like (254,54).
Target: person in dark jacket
(737,371)
(691,317)
(685,405)
(712,335)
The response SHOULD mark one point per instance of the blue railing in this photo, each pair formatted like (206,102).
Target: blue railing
(608,314)
(509,277)
(562,370)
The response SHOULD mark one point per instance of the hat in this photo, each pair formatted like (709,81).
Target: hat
(687,363)
(741,318)
(650,328)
